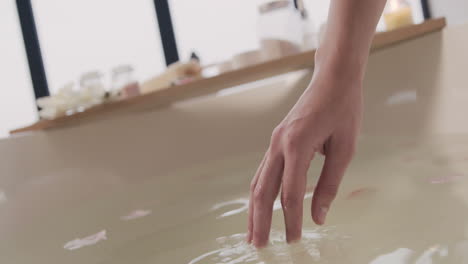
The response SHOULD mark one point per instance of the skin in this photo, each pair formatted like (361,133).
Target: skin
(326,119)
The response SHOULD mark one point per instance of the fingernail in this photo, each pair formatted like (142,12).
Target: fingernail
(322,215)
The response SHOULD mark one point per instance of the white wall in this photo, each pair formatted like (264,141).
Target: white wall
(456,11)
(16,93)
(78,36)
(218,29)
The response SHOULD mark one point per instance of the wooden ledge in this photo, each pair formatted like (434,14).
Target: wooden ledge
(214,84)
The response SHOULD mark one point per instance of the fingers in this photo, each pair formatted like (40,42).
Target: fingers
(292,196)
(251,204)
(338,156)
(265,193)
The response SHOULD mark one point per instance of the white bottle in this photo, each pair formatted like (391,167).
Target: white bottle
(310,35)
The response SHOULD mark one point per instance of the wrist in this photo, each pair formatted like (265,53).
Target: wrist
(340,64)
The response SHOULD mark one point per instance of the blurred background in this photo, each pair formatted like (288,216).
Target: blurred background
(91,36)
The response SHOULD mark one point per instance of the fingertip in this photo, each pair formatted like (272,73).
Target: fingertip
(260,244)
(319,215)
(293,240)
(294,233)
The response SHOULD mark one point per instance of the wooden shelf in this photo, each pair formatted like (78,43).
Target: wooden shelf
(214,84)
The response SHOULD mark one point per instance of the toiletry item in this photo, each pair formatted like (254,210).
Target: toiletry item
(398,14)
(130,90)
(91,90)
(247,58)
(321,34)
(225,66)
(175,72)
(66,99)
(279,29)
(194,56)
(91,79)
(310,37)
(218,68)
(123,83)
(277,48)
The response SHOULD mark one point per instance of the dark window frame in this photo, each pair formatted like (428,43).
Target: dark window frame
(166,31)
(33,47)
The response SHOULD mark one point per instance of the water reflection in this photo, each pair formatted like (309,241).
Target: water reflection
(87,241)
(137,214)
(3,197)
(399,256)
(405,255)
(446,179)
(233,249)
(242,205)
(432,252)
(402,97)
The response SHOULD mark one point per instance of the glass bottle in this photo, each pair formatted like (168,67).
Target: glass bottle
(124,84)
(91,90)
(398,14)
(279,29)
(122,76)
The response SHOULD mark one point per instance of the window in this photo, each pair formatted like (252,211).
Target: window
(218,29)
(215,29)
(86,35)
(17,106)
(79,36)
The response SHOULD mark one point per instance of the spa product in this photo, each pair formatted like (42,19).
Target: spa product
(225,66)
(279,29)
(309,31)
(322,31)
(247,58)
(68,100)
(91,90)
(398,14)
(277,48)
(123,83)
(174,73)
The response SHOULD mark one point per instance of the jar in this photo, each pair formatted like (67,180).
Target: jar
(311,36)
(123,83)
(398,14)
(122,76)
(279,29)
(91,90)
(91,79)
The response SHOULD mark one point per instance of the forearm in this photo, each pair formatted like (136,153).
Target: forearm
(350,30)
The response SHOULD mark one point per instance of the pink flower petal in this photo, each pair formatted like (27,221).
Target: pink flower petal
(362,192)
(136,215)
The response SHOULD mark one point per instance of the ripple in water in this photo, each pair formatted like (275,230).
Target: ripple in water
(233,249)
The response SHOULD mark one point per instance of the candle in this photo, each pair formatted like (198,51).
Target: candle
(399,15)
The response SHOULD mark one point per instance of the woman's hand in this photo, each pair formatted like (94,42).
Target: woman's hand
(326,119)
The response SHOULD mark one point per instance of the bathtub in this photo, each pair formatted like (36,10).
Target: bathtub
(171,186)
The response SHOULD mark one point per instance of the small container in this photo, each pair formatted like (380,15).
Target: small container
(91,79)
(91,91)
(123,82)
(122,76)
(247,58)
(398,14)
(321,33)
(311,35)
(279,29)
(225,66)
